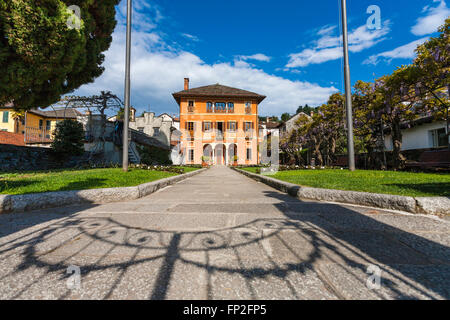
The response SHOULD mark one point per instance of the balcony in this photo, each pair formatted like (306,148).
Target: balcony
(38,135)
(220,110)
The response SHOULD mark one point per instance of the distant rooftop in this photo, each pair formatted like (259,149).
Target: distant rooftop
(59,113)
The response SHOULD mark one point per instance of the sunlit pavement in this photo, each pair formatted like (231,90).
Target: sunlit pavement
(220,235)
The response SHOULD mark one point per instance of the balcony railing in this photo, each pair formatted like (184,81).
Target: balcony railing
(38,135)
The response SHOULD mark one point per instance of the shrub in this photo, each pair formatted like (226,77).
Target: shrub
(154,156)
(68,142)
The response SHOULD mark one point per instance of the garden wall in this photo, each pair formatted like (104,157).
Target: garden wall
(19,158)
(24,158)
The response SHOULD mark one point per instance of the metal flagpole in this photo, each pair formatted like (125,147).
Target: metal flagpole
(348,90)
(126,117)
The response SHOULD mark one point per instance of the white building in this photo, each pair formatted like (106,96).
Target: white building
(290,125)
(424,133)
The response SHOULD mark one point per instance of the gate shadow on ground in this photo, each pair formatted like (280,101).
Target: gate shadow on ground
(313,251)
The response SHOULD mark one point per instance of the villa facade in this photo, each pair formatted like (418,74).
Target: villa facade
(219,125)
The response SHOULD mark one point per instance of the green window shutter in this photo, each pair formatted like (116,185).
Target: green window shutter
(5,116)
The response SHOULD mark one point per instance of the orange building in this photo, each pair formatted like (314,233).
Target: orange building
(219,125)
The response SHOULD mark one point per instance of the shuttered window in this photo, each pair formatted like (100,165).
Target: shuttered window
(5,116)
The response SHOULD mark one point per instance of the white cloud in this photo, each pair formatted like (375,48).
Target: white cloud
(326,30)
(158,70)
(190,37)
(434,18)
(404,52)
(328,47)
(257,57)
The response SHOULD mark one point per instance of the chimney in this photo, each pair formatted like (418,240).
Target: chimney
(267,120)
(186,83)
(133,114)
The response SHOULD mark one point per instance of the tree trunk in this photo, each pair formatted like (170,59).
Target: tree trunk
(318,154)
(398,158)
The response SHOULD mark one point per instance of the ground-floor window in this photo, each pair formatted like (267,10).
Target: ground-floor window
(439,138)
(249,154)
(191,155)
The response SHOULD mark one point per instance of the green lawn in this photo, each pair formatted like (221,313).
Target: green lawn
(388,182)
(63,180)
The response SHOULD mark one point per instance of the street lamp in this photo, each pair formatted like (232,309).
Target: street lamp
(348,90)
(126,117)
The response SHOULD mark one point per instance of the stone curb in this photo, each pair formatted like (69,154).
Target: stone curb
(427,205)
(36,201)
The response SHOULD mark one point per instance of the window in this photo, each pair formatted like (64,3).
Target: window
(230,107)
(191,106)
(221,107)
(41,124)
(219,126)
(190,126)
(249,154)
(191,155)
(48,125)
(141,129)
(206,126)
(209,107)
(439,138)
(248,107)
(5,116)
(248,126)
(232,126)
(156,130)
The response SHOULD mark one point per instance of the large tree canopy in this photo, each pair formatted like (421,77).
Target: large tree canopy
(42,57)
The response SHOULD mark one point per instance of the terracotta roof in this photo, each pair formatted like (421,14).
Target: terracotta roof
(273,125)
(15,139)
(69,113)
(217,90)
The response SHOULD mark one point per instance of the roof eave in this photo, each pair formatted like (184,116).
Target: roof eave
(177,96)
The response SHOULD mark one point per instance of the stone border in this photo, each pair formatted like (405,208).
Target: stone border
(427,205)
(35,201)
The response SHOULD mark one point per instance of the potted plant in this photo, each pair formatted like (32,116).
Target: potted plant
(205,161)
(235,161)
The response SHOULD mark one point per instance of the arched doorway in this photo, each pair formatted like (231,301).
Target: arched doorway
(232,154)
(219,154)
(207,154)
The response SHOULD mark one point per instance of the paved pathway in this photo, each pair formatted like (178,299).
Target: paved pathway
(220,235)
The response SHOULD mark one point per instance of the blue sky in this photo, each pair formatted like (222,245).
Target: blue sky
(288,50)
